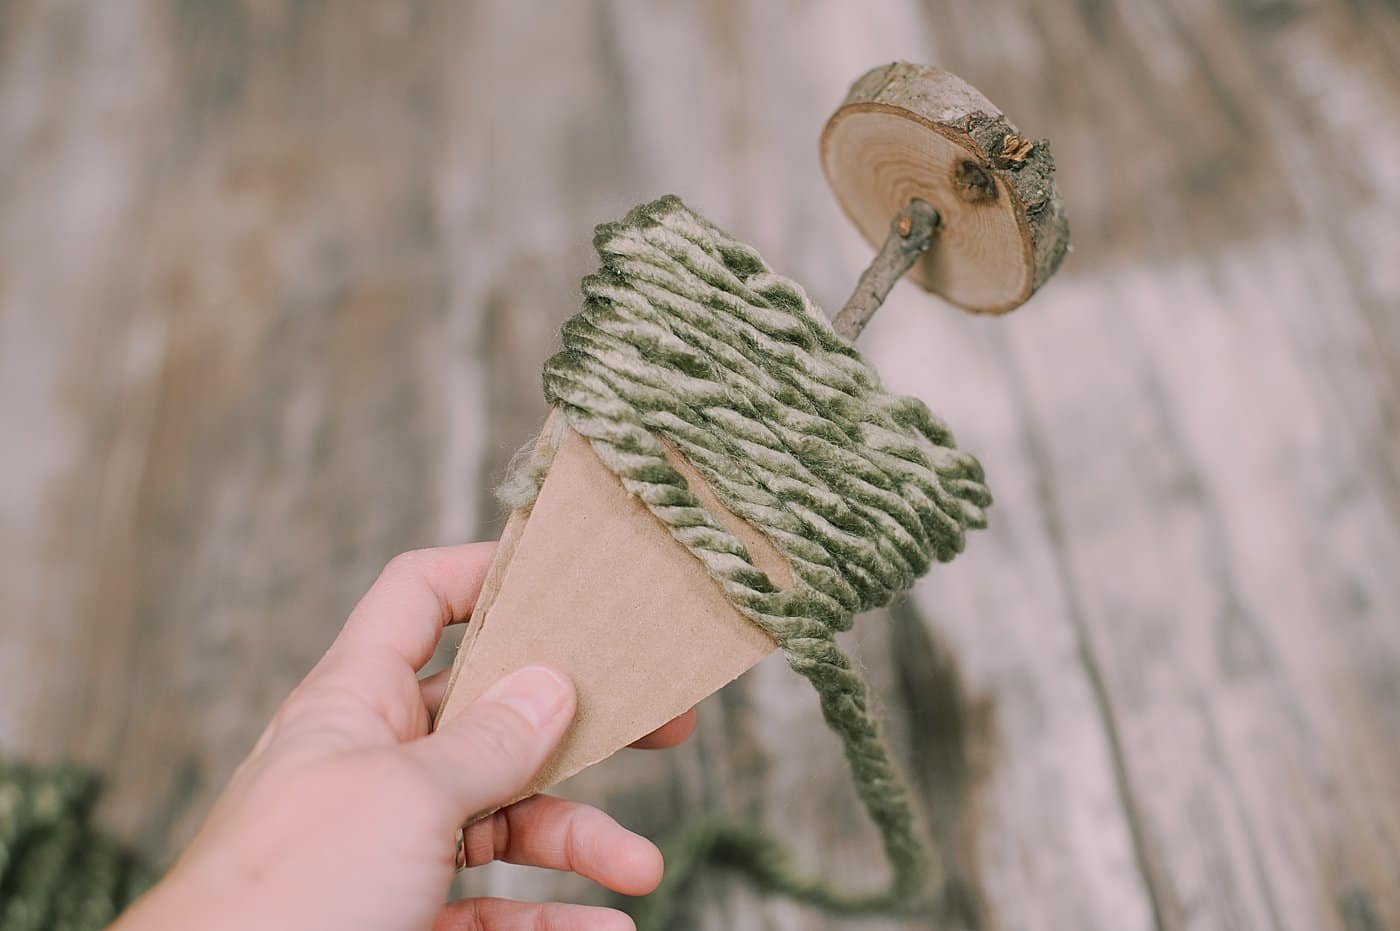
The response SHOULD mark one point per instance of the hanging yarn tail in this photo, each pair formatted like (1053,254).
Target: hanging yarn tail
(713,842)
(687,338)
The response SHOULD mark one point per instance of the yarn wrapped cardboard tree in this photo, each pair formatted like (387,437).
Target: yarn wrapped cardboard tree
(722,475)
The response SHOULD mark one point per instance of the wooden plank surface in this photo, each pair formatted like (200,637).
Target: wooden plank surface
(276,280)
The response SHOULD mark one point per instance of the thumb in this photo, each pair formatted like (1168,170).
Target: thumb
(488,753)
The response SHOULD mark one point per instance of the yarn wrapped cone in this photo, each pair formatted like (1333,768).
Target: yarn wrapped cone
(689,344)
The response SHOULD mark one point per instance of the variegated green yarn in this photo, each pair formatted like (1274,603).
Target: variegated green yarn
(687,338)
(57,871)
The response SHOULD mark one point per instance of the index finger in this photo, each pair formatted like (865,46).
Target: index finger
(418,594)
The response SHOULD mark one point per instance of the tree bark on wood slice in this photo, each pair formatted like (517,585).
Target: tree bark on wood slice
(907,131)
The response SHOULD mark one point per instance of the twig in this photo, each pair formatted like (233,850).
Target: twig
(911,234)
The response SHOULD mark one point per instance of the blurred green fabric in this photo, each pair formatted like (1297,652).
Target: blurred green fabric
(57,871)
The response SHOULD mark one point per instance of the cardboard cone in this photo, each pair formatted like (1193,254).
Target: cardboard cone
(593,584)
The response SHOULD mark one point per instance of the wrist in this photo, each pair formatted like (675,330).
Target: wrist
(158,908)
(181,900)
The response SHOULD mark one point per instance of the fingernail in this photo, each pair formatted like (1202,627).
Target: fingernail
(537,693)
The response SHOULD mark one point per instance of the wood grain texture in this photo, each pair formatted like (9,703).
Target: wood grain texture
(276,280)
(914,131)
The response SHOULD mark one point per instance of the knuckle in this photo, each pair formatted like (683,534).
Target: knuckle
(407,564)
(483,840)
(301,703)
(314,700)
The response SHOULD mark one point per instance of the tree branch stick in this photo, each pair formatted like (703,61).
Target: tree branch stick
(911,234)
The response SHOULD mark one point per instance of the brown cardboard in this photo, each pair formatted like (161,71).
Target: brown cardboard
(593,584)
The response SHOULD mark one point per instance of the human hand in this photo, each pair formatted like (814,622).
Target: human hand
(345,814)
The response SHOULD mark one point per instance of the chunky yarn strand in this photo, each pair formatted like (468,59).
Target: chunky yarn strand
(57,871)
(687,338)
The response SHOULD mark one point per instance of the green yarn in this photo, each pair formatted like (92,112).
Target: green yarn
(687,337)
(56,870)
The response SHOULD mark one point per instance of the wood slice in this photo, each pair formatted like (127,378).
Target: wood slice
(593,584)
(907,131)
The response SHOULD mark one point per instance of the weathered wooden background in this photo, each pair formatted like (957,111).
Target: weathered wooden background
(276,280)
